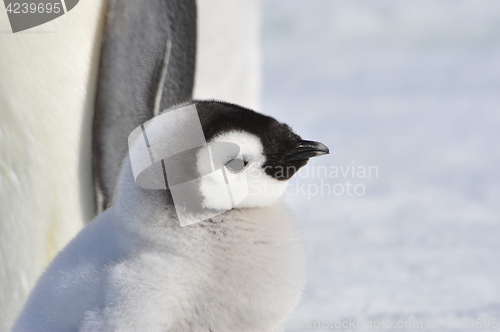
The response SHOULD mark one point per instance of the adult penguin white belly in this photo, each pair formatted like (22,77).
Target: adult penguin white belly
(47,84)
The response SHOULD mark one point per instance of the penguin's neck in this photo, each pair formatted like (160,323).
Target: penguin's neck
(151,214)
(153,218)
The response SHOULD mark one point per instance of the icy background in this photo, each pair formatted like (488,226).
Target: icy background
(413,88)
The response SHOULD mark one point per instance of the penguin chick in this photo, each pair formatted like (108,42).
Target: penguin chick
(135,269)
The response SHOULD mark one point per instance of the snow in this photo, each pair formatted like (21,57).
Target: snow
(411,89)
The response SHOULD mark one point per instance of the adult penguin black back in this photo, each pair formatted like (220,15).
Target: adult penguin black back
(147,64)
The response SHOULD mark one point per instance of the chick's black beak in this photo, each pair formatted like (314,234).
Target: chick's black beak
(306,150)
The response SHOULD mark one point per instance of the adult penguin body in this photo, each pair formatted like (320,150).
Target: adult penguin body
(47,90)
(48,86)
(135,268)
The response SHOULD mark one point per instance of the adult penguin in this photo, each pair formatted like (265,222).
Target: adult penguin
(48,78)
(48,81)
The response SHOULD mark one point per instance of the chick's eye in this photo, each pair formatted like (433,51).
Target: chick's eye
(236,165)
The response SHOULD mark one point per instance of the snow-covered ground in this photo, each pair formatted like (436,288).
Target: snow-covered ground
(412,89)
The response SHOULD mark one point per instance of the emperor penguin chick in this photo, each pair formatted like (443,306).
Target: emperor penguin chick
(134,268)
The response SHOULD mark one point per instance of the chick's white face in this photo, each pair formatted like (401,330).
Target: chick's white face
(240,180)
